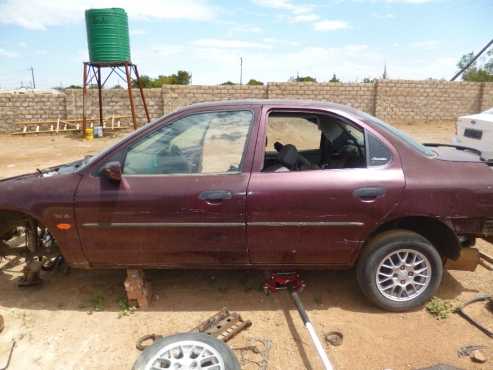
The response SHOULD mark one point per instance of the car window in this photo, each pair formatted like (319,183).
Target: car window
(210,142)
(398,134)
(301,141)
(300,131)
(378,153)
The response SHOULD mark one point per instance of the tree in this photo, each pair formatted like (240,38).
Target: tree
(227,83)
(334,78)
(369,80)
(477,72)
(254,82)
(304,79)
(179,78)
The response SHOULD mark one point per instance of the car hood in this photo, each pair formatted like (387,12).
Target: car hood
(61,169)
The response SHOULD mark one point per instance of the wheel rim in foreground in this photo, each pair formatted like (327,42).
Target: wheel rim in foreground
(187,355)
(403,275)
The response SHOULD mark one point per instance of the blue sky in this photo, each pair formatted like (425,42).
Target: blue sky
(277,39)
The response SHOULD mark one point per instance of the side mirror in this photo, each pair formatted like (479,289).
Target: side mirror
(112,171)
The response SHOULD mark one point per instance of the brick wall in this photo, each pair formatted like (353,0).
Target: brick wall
(358,95)
(28,106)
(392,100)
(412,101)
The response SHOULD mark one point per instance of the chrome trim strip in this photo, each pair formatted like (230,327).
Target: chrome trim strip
(219,224)
(162,224)
(316,223)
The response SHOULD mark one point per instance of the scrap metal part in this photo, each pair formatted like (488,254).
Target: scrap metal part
(260,347)
(461,311)
(223,325)
(10,356)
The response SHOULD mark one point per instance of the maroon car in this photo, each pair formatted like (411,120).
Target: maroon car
(263,184)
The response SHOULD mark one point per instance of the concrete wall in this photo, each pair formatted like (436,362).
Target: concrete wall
(392,100)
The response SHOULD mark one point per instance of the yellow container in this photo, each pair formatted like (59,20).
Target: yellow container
(88,134)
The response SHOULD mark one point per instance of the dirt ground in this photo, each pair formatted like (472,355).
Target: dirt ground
(76,321)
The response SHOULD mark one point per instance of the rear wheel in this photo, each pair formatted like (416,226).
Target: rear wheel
(399,270)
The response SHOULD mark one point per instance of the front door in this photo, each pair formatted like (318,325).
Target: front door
(318,214)
(181,201)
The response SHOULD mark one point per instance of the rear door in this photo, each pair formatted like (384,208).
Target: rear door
(322,216)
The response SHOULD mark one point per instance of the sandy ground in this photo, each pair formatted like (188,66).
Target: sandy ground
(75,322)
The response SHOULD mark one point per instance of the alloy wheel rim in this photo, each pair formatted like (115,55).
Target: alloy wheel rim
(187,355)
(403,275)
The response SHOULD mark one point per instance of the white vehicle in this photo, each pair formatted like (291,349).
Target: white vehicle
(476,131)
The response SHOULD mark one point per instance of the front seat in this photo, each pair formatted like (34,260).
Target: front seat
(289,160)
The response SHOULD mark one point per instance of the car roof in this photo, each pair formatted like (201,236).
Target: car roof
(293,103)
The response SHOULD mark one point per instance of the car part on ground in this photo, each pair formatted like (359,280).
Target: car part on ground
(187,351)
(223,326)
(473,352)
(334,338)
(293,283)
(259,347)
(399,270)
(462,312)
(7,364)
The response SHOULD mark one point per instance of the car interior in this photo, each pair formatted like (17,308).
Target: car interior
(302,141)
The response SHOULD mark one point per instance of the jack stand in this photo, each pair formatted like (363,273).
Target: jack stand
(138,290)
(292,282)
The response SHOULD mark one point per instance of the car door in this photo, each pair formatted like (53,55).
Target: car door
(181,200)
(321,216)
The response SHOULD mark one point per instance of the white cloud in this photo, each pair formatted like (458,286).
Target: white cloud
(301,18)
(230,44)
(285,5)
(7,54)
(330,25)
(425,45)
(409,1)
(383,15)
(38,15)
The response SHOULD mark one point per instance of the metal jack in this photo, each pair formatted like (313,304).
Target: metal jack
(292,282)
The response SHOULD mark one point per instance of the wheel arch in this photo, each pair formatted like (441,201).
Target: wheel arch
(11,217)
(437,232)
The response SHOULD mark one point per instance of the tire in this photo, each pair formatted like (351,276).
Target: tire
(220,352)
(404,286)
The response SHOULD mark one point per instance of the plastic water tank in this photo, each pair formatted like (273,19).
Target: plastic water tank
(107,35)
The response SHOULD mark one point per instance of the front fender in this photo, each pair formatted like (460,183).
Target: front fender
(50,201)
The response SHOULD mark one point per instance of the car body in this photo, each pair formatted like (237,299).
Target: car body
(178,194)
(476,131)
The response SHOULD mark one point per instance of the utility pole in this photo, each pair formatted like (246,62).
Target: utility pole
(241,70)
(32,75)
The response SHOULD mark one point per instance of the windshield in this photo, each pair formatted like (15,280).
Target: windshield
(398,134)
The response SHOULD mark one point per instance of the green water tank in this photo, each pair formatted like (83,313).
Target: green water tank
(107,35)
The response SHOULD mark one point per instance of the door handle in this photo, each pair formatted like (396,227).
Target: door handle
(215,196)
(370,193)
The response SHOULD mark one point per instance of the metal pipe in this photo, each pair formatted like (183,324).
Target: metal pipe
(311,330)
(472,61)
(129,87)
(84,93)
(139,82)
(100,96)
